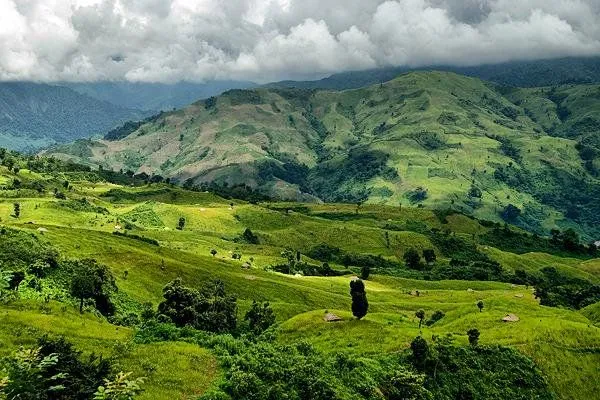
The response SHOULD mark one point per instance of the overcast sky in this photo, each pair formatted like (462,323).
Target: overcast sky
(266,40)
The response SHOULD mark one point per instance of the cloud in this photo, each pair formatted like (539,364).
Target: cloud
(263,40)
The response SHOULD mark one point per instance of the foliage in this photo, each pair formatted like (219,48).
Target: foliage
(91,280)
(259,317)
(360,305)
(412,259)
(54,370)
(210,309)
(556,289)
(120,388)
(473,335)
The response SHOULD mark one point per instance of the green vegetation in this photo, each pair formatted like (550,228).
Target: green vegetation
(436,139)
(397,293)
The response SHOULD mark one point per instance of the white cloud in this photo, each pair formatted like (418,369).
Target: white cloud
(170,40)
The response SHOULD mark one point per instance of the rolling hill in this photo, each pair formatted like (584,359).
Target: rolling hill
(68,213)
(436,139)
(35,115)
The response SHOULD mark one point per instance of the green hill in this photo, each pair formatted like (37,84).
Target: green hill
(67,212)
(528,156)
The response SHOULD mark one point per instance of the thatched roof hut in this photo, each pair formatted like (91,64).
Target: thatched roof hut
(510,318)
(329,317)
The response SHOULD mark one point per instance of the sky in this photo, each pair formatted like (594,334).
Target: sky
(270,40)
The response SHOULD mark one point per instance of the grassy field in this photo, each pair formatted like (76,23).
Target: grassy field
(563,343)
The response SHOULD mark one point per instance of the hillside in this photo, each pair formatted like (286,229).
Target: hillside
(561,71)
(154,96)
(33,115)
(68,213)
(528,156)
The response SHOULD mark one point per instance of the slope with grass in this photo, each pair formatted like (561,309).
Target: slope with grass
(562,342)
(528,156)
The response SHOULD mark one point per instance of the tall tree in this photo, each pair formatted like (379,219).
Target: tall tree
(360,305)
(421,315)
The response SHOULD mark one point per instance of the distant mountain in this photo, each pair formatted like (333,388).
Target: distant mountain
(37,115)
(573,70)
(155,96)
(528,156)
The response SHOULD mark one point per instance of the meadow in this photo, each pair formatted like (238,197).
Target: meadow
(562,342)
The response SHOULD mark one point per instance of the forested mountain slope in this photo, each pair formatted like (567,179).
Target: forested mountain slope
(36,115)
(529,156)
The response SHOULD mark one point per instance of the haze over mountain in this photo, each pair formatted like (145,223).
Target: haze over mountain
(36,115)
(154,96)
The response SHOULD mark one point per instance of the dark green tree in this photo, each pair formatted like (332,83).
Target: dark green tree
(213,252)
(429,256)
(15,280)
(421,315)
(420,352)
(259,317)
(360,305)
(217,310)
(365,272)
(90,280)
(17,210)
(412,259)
(480,305)
(180,304)
(181,223)
(250,237)
(473,335)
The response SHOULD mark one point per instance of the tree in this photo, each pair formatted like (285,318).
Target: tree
(217,310)
(473,336)
(365,272)
(290,256)
(420,352)
(15,280)
(429,256)
(480,305)
(179,304)
(181,223)
(249,237)
(213,252)
(259,317)
(209,309)
(510,213)
(17,210)
(412,259)
(90,280)
(360,305)
(475,192)
(421,315)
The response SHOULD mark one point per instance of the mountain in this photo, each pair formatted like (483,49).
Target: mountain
(155,96)
(37,115)
(527,156)
(570,70)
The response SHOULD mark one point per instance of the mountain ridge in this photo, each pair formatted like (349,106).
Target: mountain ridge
(433,138)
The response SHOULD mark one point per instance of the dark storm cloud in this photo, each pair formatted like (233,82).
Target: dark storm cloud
(170,40)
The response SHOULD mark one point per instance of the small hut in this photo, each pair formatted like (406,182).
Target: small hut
(510,318)
(329,317)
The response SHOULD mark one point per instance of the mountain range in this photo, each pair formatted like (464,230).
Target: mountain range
(436,139)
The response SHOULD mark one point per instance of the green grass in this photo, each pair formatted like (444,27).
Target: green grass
(563,343)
